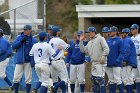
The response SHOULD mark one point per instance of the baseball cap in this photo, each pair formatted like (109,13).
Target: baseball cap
(105,29)
(42,34)
(91,29)
(134,26)
(126,30)
(56,28)
(50,27)
(113,29)
(27,27)
(79,33)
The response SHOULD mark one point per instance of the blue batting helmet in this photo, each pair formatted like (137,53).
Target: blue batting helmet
(91,29)
(42,34)
(126,30)
(113,29)
(50,27)
(80,32)
(134,26)
(56,28)
(105,29)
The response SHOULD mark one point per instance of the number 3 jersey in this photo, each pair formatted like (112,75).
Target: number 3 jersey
(136,41)
(42,51)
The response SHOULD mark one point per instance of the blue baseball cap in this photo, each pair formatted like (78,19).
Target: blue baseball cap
(50,27)
(56,28)
(126,30)
(42,34)
(134,26)
(80,33)
(91,29)
(113,29)
(105,29)
(27,27)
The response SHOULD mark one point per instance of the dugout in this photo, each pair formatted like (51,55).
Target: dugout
(106,15)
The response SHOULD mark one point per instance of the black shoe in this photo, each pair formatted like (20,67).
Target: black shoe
(34,91)
(51,89)
(11,89)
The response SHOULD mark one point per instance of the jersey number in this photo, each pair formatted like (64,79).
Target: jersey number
(39,52)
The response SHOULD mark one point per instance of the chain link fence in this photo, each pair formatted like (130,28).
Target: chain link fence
(16,13)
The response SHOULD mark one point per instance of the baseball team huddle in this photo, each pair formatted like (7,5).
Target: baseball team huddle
(115,53)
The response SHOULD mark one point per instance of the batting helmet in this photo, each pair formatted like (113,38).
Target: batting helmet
(56,28)
(113,29)
(105,29)
(42,34)
(80,32)
(50,27)
(134,26)
(91,29)
(126,30)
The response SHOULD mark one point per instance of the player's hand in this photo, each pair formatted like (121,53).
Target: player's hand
(103,60)
(23,40)
(82,37)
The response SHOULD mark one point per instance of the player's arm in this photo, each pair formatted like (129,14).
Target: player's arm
(83,48)
(52,53)
(104,46)
(17,43)
(3,47)
(2,51)
(121,52)
(64,45)
(31,53)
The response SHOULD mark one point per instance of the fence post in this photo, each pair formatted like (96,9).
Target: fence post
(14,23)
(44,17)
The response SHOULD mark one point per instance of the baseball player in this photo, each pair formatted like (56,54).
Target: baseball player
(129,61)
(49,36)
(114,60)
(42,51)
(77,67)
(105,32)
(58,66)
(97,49)
(136,40)
(23,44)
(5,53)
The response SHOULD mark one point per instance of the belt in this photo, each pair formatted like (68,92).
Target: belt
(47,63)
(56,59)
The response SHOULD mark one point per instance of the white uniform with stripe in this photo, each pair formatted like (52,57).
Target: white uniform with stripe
(136,71)
(58,67)
(41,52)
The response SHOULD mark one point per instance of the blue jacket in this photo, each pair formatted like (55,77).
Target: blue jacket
(74,54)
(5,49)
(23,49)
(116,54)
(130,52)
